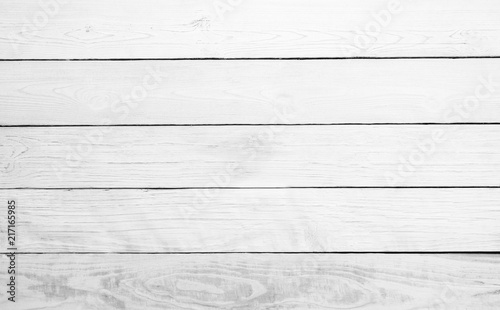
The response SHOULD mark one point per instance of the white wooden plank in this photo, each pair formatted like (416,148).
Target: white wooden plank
(250,156)
(250,220)
(372,282)
(258,28)
(249,92)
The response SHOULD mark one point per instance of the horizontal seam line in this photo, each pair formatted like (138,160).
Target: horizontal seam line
(285,253)
(254,187)
(248,58)
(250,124)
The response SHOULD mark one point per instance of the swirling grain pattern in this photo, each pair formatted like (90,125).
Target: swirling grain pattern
(264,281)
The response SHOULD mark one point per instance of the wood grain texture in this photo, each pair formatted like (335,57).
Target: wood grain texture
(372,282)
(250,156)
(249,92)
(257,28)
(250,220)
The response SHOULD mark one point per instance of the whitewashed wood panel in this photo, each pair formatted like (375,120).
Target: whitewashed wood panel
(250,156)
(250,92)
(371,282)
(61,29)
(250,220)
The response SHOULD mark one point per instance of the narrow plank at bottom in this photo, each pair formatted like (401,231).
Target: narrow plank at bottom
(255,281)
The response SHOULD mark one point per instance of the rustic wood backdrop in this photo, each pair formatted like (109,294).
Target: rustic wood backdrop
(251,154)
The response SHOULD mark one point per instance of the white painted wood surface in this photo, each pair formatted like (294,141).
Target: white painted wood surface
(94,237)
(372,282)
(250,156)
(63,29)
(250,220)
(250,92)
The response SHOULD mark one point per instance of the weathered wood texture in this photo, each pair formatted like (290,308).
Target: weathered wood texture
(250,220)
(250,156)
(39,164)
(372,282)
(258,28)
(250,92)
